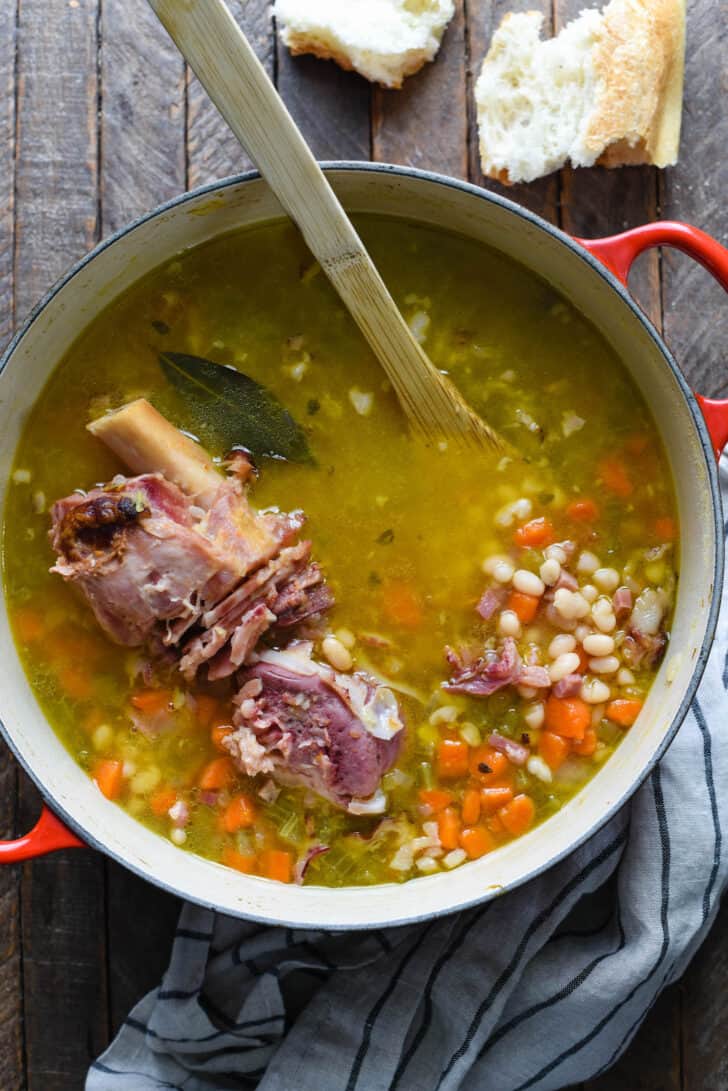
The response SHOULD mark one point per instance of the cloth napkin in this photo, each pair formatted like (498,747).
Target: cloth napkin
(540,989)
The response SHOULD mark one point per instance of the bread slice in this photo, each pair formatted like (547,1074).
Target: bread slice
(607,89)
(384,40)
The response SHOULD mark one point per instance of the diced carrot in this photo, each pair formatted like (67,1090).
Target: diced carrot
(613,473)
(567,716)
(452,758)
(76,682)
(553,749)
(402,605)
(277,864)
(583,667)
(524,606)
(487,764)
(470,809)
(219,773)
(232,858)
(29,624)
(476,840)
(162,800)
(583,510)
(493,798)
(517,816)
(218,733)
(109,777)
(239,814)
(448,828)
(665,528)
(636,444)
(624,711)
(535,534)
(206,709)
(495,825)
(152,700)
(435,798)
(587,746)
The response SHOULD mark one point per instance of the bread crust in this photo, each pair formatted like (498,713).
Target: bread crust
(304,43)
(638,61)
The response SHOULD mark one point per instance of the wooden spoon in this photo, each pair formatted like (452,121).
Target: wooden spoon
(219,53)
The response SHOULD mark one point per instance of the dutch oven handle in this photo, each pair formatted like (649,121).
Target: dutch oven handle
(618,253)
(48,835)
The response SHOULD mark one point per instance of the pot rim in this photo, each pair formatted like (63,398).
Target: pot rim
(579,251)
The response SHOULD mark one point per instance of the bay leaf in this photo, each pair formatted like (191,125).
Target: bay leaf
(233,409)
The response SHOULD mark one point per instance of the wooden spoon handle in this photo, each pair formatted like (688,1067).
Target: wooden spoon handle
(219,53)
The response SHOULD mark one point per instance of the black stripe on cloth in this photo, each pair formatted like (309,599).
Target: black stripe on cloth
(536,923)
(566,990)
(710,782)
(177,994)
(665,899)
(100,1067)
(142,1028)
(213,1012)
(375,1011)
(190,933)
(382,938)
(455,943)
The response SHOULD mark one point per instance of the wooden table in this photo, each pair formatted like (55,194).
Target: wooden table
(99,121)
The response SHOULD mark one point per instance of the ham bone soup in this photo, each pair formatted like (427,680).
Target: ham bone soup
(303,643)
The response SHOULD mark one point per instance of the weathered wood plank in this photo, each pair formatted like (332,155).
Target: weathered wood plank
(696,309)
(63,920)
(11,1008)
(425,123)
(652,1062)
(483,16)
(142,113)
(143,163)
(330,106)
(598,202)
(212,150)
(705,1013)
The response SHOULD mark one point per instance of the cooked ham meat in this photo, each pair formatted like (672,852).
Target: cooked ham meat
(197,574)
(479,675)
(304,724)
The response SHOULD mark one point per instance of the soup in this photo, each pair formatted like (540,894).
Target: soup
(463,643)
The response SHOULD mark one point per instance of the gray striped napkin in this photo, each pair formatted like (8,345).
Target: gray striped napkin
(540,989)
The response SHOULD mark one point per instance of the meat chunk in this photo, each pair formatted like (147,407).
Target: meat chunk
(181,560)
(305,724)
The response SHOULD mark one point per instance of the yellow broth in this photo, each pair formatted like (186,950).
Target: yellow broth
(401,530)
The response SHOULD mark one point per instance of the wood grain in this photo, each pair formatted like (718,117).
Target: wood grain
(212,150)
(12,1074)
(705,1013)
(330,107)
(696,309)
(425,124)
(483,16)
(598,202)
(63,921)
(142,164)
(142,113)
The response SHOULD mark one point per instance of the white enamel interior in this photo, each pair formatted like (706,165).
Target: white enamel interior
(105,825)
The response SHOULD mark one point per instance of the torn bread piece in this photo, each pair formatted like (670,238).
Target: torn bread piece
(383,40)
(607,89)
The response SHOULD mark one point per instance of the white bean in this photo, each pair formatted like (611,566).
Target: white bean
(561,644)
(581,632)
(604,664)
(594,691)
(489,564)
(178,836)
(550,571)
(528,583)
(338,656)
(455,858)
(534,715)
(589,592)
(503,572)
(603,615)
(537,767)
(146,781)
(570,604)
(102,737)
(588,562)
(625,677)
(509,624)
(555,553)
(446,714)
(565,664)
(607,579)
(526,692)
(426,865)
(346,637)
(470,734)
(598,644)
